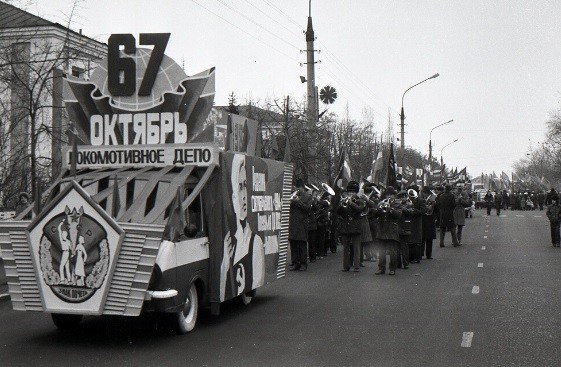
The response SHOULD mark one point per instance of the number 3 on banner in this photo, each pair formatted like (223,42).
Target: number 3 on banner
(121,71)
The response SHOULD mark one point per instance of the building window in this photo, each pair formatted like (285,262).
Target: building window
(78,72)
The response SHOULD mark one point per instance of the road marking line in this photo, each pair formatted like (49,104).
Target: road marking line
(538,216)
(475,289)
(480,265)
(466,339)
(483,247)
(518,215)
(487,226)
(485,237)
(486,231)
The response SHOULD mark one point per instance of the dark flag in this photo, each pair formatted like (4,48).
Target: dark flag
(344,171)
(391,178)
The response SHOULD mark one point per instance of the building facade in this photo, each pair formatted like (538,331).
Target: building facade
(35,55)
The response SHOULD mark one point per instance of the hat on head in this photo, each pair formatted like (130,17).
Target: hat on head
(390,190)
(353,186)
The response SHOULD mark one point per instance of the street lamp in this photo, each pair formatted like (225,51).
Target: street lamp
(402,116)
(430,142)
(441,161)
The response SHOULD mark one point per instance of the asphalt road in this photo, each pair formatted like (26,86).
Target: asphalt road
(496,301)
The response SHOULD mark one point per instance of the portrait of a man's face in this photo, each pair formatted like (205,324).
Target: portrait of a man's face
(239,187)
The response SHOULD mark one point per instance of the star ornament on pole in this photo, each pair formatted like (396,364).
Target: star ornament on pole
(328,94)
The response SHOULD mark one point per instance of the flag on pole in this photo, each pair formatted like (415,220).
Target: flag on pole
(344,172)
(391,177)
(378,167)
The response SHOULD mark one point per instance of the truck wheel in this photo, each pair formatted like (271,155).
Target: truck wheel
(247,297)
(66,322)
(187,318)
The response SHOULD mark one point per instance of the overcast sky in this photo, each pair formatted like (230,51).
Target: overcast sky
(499,61)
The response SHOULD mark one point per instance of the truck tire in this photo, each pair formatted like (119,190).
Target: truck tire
(66,322)
(186,319)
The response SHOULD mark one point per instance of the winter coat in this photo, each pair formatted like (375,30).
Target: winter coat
(350,221)
(387,224)
(322,213)
(554,213)
(416,214)
(300,208)
(550,195)
(446,204)
(462,202)
(498,200)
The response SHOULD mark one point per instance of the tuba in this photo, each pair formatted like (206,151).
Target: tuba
(431,202)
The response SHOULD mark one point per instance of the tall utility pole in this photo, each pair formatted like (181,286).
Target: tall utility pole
(311,78)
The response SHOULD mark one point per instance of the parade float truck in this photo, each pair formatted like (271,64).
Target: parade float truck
(149,215)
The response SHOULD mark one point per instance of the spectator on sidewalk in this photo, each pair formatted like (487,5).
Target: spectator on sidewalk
(554,215)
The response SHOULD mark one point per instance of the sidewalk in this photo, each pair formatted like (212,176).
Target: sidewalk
(3,282)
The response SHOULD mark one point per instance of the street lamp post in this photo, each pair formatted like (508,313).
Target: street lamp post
(441,160)
(430,142)
(402,116)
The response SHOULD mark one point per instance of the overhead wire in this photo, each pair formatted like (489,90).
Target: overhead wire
(244,31)
(333,57)
(348,87)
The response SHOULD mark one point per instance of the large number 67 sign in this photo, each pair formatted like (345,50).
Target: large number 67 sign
(121,71)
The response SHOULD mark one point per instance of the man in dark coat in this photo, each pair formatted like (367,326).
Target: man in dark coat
(554,215)
(446,204)
(300,207)
(462,202)
(429,225)
(541,199)
(387,231)
(550,195)
(498,202)
(488,202)
(312,228)
(350,228)
(322,216)
(416,214)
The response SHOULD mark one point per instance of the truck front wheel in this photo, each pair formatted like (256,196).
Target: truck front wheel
(66,322)
(187,317)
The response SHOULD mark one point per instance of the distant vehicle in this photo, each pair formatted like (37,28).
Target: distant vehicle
(478,197)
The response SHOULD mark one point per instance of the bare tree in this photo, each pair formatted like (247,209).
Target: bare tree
(33,61)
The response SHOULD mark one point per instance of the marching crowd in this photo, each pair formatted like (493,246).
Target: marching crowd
(372,221)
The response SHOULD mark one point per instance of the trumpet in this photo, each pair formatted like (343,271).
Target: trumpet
(347,198)
(295,195)
(386,204)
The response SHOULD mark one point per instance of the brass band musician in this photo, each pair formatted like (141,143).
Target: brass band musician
(349,210)
(429,224)
(300,207)
(388,213)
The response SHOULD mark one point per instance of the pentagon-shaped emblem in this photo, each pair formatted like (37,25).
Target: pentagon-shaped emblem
(75,244)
